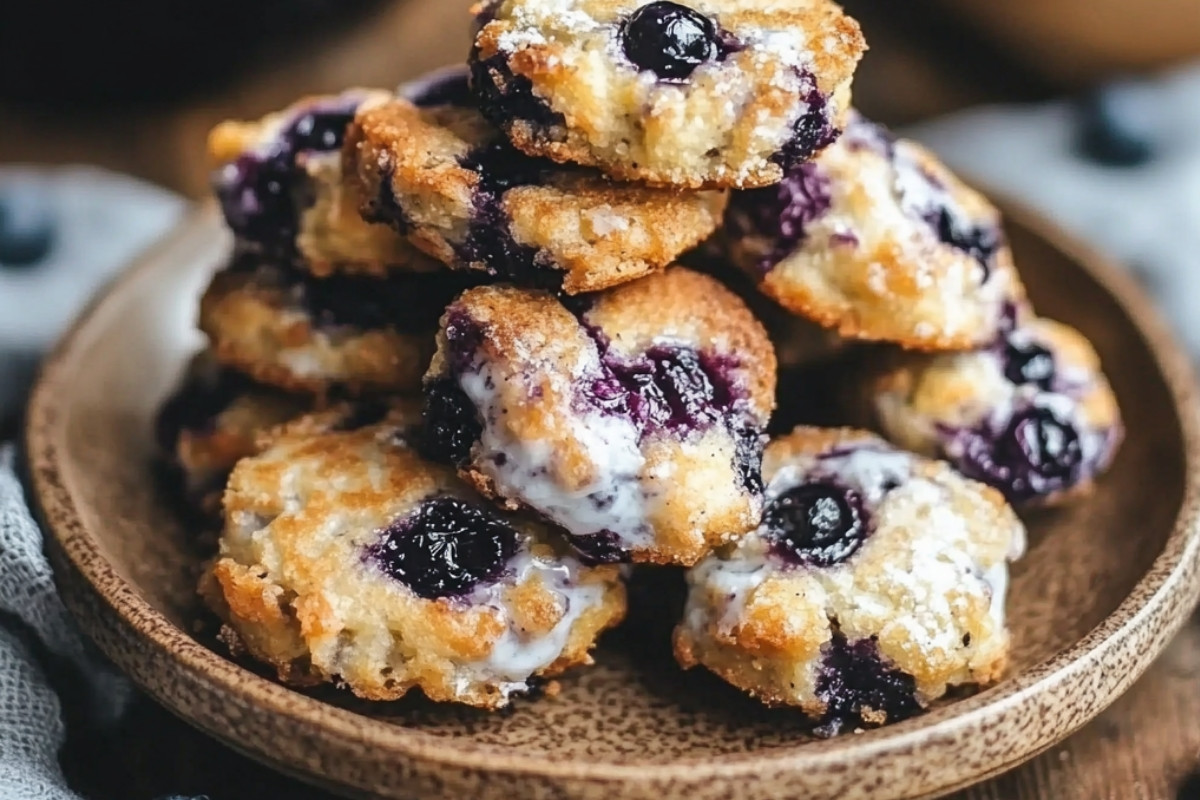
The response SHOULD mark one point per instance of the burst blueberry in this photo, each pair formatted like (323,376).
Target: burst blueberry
(816,524)
(1029,364)
(669,40)
(783,213)
(446,548)
(858,687)
(449,423)
(980,242)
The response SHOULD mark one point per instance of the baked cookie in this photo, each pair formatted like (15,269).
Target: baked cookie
(463,194)
(632,418)
(210,422)
(714,93)
(875,583)
(877,240)
(348,558)
(1031,415)
(287,328)
(279,183)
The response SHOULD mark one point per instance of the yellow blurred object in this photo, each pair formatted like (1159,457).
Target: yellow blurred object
(1079,41)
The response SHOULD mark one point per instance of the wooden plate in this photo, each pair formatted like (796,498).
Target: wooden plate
(1105,585)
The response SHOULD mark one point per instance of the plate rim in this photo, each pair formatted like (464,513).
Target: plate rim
(1170,586)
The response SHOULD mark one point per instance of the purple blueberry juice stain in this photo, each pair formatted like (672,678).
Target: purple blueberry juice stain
(812,131)
(503,96)
(980,242)
(489,240)
(673,41)
(818,524)
(445,548)
(450,423)
(782,213)
(261,194)
(1034,455)
(407,302)
(858,686)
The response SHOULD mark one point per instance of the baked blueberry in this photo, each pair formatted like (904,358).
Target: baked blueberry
(1031,415)
(396,576)
(707,93)
(669,40)
(876,240)
(875,583)
(279,183)
(819,524)
(632,420)
(462,193)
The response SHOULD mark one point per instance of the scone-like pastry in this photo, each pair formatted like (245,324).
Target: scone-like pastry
(632,418)
(877,240)
(875,583)
(708,93)
(279,183)
(464,195)
(211,421)
(346,557)
(287,328)
(1031,415)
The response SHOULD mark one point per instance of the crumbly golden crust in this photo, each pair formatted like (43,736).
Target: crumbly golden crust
(549,443)
(330,234)
(426,162)
(256,326)
(213,420)
(724,126)
(924,403)
(924,591)
(297,580)
(871,262)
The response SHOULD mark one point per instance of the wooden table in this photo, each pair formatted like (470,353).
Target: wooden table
(1144,748)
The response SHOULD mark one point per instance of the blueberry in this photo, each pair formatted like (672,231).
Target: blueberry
(979,242)
(28,227)
(1117,127)
(811,132)
(858,688)
(816,524)
(1035,455)
(783,213)
(446,548)
(669,40)
(1046,445)
(503,96)
(1029,364)
(449,423)
(319,131)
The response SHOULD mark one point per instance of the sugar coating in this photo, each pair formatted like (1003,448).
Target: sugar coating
(924,591)
(528,367)
(726,125)
(328,234)
(296,583)
(861,253)
(941,405)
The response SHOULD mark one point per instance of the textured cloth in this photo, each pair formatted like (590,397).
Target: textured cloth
(1148,217)
(104,220)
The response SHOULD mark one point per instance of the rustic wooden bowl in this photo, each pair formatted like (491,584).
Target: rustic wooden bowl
(1104,587)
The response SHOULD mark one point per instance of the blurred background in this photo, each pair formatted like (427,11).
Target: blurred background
(134,85)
